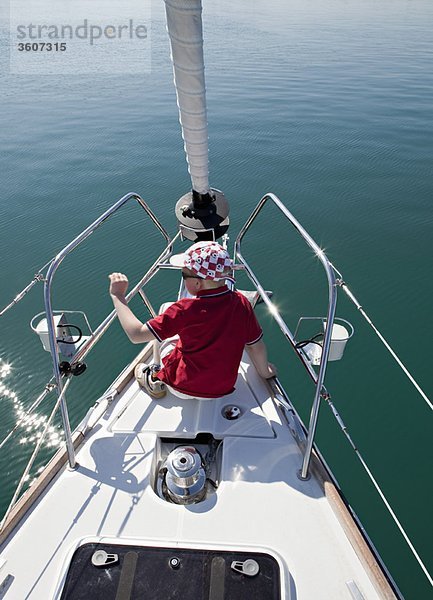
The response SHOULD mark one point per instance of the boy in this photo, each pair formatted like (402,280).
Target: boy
(213,327)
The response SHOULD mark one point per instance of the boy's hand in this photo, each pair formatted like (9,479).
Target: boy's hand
(272,371)
(118,284)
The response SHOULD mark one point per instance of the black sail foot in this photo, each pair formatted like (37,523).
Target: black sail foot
(203,217)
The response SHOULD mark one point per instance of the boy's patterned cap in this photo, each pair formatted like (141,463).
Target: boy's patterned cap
(208,260)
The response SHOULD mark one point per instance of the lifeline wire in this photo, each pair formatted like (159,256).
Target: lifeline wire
(352,297)
(379,491)
(38,277)
(33,456)
(48,388)
(280,396)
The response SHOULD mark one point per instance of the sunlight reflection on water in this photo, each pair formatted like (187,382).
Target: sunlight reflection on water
(29,425)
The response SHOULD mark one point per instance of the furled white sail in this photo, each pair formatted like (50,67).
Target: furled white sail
(184,26)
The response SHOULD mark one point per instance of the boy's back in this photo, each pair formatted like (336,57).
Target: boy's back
(213,329)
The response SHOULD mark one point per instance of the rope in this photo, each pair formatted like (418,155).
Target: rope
(312,340)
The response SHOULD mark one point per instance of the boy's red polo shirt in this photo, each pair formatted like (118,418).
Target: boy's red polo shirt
(213,329)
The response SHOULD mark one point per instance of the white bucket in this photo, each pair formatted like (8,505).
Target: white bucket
(342,331)
(42,330)
(67,346)
(339,338)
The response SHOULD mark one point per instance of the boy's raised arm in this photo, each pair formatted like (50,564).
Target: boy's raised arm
(137,331)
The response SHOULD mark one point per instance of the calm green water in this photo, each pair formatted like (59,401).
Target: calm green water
(327,104)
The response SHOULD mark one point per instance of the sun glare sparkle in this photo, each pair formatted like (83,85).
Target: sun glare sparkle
(320,253)
(273,310)
(5,369)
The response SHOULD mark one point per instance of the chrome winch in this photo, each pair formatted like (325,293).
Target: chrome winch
(185,479)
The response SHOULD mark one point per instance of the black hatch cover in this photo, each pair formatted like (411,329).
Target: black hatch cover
(119,572)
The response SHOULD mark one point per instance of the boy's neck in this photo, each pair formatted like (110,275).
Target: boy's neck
(207,284)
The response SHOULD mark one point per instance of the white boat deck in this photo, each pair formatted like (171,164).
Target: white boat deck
(259,505)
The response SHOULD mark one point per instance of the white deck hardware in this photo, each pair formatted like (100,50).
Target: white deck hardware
(100,558)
